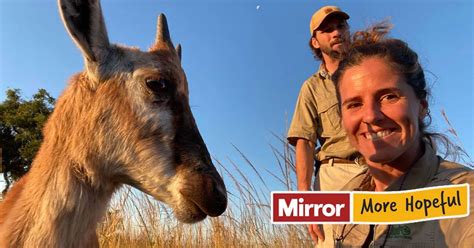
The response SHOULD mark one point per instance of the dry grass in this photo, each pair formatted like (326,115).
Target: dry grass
(455,149)
(137,220)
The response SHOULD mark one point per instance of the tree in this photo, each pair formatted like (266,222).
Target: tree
(21,124)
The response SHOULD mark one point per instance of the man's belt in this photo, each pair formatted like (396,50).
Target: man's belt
(337,161)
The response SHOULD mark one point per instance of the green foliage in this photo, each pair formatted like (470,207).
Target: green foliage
(21,124)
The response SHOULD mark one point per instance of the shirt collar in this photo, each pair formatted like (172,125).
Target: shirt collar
(420,173)
(322,72)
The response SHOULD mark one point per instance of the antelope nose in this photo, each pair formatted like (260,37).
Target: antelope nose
(209,193)
(214,202)
(220,199)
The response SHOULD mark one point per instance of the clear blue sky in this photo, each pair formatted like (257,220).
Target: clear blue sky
(244,64)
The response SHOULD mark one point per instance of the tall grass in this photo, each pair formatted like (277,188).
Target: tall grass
(136,220)
(454,148)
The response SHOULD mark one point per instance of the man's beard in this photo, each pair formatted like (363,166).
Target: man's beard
(335,54)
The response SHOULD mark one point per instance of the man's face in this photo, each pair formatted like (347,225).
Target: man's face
(332,36)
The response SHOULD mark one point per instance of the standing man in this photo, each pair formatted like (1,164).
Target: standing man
(317,116)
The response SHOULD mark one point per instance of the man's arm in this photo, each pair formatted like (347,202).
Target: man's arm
(304,163)
(304,174)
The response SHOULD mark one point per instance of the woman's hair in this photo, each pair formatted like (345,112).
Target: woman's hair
(374,43)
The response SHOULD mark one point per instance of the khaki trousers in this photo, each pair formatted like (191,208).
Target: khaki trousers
(332,177)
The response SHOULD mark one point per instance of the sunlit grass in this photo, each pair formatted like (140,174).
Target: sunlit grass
(137,220)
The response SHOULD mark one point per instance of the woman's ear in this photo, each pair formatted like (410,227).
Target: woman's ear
(423,108)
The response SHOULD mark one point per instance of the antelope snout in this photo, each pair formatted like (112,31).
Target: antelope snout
(207,191)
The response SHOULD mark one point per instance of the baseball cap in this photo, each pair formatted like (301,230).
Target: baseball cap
(322,13)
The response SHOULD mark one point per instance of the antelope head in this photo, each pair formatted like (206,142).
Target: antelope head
(137,105)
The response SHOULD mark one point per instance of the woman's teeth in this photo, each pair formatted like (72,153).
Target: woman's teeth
(377,135)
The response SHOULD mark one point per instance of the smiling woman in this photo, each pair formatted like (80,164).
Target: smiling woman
(382,114)
(383,100)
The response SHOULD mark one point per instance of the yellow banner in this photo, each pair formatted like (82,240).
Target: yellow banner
(411,205)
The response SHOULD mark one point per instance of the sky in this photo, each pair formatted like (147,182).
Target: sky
(246,60)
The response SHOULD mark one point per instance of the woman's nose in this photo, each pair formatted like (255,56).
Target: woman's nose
(372,113)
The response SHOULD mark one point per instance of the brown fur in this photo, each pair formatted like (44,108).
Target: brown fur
(110,128)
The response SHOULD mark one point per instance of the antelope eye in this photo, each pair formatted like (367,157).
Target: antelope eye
(157,85)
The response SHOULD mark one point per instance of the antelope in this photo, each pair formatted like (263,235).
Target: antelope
(125,119)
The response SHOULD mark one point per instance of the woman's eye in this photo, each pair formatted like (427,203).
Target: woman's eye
(353,105)
(157,85)
(389,98)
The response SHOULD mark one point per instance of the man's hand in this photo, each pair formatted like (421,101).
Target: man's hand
(304,174)
(316,232)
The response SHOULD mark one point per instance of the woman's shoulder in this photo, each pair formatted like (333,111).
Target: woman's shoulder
(453,172)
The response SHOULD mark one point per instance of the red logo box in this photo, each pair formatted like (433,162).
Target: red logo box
(311,207)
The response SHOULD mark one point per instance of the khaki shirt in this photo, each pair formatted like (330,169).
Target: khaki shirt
(429,170)
(317,118)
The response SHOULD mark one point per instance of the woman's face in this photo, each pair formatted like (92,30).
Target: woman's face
(381,112)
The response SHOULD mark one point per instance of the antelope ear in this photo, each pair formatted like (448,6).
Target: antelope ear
(85,24)
(178,51)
